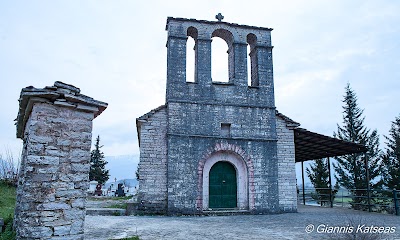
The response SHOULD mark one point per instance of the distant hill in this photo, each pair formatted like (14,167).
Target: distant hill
(122,167)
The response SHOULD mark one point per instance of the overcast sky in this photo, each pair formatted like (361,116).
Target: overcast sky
(114,51)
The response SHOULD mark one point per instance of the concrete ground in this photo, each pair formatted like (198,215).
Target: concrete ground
(321,222)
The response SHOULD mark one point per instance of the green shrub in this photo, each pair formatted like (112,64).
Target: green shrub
(9,233)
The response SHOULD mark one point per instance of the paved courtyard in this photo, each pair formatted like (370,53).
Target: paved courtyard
(321,222)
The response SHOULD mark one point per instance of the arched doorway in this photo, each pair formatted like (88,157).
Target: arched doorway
(222,186)
(239,166)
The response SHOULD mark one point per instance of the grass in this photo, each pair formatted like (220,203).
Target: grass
(343,200)
(7,200)
(7,206)
(346,200)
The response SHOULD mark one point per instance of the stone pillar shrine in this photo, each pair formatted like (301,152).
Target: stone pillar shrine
(55,124)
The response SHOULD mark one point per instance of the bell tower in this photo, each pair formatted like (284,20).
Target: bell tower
(236,90)
(209,122)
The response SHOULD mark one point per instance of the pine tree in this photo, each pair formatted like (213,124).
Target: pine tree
(97,164)
(351,169)
(318,173)
(391,158)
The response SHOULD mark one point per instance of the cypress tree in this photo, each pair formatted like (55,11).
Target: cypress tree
(318,173)
(391,158)
(350,170)
(97,164)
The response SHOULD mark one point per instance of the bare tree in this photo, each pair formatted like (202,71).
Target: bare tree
(9,167)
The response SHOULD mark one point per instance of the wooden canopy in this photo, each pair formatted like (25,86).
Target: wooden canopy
(311,146)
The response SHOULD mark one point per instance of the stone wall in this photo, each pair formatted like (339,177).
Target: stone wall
(194,119)
(195,128)
(183,179)
(55,124)
(286,167)
(273,174)
(152,168)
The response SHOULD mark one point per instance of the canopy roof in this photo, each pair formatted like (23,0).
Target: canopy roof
(311,146)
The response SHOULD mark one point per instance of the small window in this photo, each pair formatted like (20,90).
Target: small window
(225,129)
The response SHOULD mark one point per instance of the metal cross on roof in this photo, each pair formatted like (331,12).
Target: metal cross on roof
(219,17)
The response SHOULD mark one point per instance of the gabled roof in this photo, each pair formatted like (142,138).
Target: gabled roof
(145,117)
(289,122)
(151,113)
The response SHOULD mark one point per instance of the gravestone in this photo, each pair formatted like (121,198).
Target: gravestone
(120,190)
(98,191)
(55,124)
(92,186)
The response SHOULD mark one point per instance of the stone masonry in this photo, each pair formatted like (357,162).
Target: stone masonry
(286,164)
(153,160)
(55,124)
(205,122)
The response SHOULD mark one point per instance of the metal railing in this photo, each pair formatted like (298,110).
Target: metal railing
(372,200)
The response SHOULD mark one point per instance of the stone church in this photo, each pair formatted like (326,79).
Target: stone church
(217,146)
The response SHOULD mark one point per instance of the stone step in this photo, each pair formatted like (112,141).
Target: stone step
(105,211)
(225,212)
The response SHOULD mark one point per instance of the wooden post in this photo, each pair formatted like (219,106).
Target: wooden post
(396,202)
(330,182)
(302,179)
(368,185)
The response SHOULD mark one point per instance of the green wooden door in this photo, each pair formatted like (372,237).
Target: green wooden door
(222,186)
